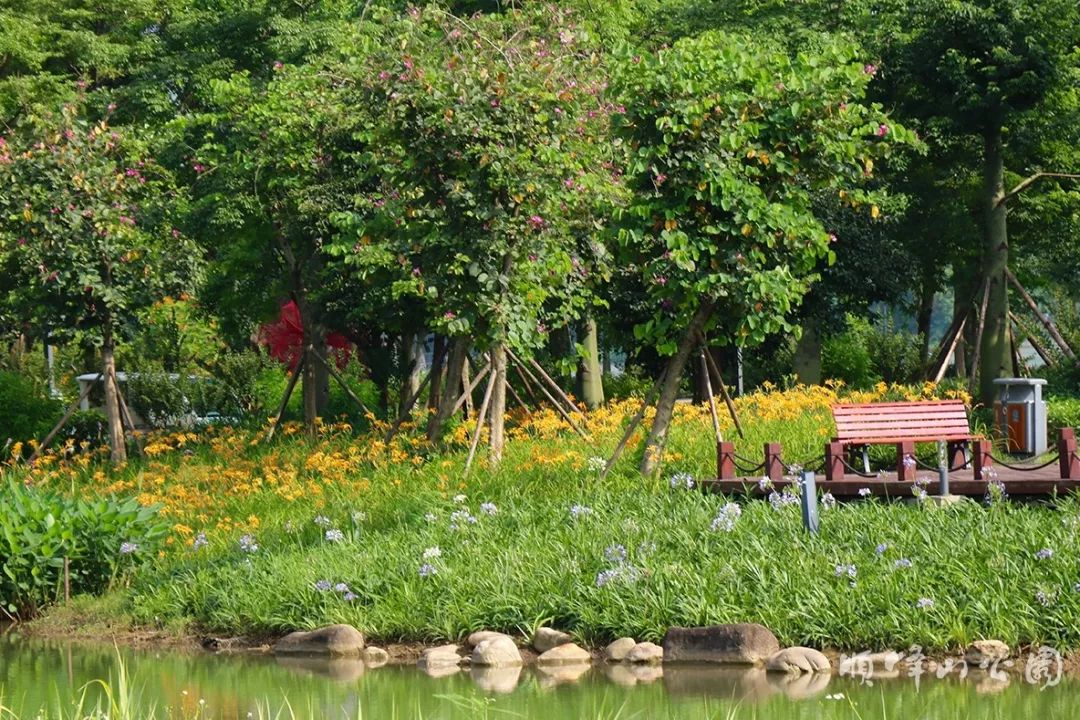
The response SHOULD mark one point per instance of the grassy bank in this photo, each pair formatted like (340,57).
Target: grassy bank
(397,541)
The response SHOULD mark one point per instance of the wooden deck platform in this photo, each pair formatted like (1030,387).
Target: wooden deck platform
(1038,483)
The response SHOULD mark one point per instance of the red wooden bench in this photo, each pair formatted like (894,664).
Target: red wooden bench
(902,424)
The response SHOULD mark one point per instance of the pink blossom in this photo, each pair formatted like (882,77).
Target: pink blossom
(870,69)
(111,107)
(278,65)
(536,221)
(384,75)
(198,167)
(659,179)
(449,315)
(569,182)
(660,280)
(495,102)
(832,237)
(416,272)
(175,233)
(882,130)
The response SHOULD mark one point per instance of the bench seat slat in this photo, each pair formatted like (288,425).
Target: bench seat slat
(894,422)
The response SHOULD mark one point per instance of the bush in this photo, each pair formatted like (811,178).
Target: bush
(1061,412)
(26,412)
(87,426)
(845,357)
(38,530)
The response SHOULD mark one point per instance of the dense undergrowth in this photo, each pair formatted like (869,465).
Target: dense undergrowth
(398,541)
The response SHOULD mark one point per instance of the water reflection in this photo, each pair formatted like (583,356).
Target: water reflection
(34,674)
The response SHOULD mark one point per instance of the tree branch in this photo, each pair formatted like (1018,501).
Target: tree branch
(1028,181)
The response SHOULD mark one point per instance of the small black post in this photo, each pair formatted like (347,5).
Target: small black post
(809,502)
(943,469)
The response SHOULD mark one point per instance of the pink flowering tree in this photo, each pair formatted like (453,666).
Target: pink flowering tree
(491,148)
(85,231)
(729,141)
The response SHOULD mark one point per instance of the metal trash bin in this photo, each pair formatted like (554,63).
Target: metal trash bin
(1020,415)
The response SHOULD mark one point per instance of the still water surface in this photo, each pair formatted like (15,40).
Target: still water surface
(38,676)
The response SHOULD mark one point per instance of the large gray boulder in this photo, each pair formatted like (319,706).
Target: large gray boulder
(547,638)
(496,652)
(567,654)
(797,660)
(646,653)
(618,650)
(333,641)
(443,656)
(739,643)
(481,635)
(985,653)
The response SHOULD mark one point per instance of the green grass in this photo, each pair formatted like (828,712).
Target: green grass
(533,563)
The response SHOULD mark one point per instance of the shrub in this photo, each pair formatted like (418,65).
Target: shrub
(25,410)
(38,530)
(87,426)
(1062,412)
(845,357)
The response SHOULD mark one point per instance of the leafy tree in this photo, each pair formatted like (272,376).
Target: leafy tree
(729,139)
(85,222)
(274,166)
(490,148)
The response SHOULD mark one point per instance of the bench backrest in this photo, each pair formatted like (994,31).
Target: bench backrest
(924,421)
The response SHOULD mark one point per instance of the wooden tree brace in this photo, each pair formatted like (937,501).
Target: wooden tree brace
(834,461)
(774,465)
(1067,457)
(725,460)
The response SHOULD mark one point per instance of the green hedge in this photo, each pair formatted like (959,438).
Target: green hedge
(100,538)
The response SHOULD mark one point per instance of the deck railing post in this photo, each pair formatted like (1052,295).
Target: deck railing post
(905,461)
(834,461)
(725,460)
(1067,458)
(981,462)
(774,466)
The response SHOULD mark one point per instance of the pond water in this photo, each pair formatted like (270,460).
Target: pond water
(41,678)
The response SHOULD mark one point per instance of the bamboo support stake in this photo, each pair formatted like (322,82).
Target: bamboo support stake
(480,417)
(125,415)
(559,408)
(712,398)
(976,357)
(466,392)
(646,403)
(552,384)
(407,410)
(285,398)
(471,387)
(340,380)
(63,420)
(1032,340)
(1051,328)
(723,388)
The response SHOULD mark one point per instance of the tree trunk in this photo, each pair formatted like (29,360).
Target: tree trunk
(438,363)
(923,318)
(669,391)
(807,359)
(112,402)
(995,356)
(498,403)
(413,367)
(459,348)
(590,384)
(562,349)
